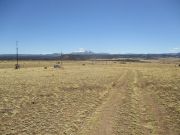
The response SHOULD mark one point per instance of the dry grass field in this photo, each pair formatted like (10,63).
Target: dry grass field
(89,99)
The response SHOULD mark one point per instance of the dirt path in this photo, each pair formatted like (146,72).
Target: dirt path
(129,109)
(102,121)
(145,121)
(149,115)
(108,111)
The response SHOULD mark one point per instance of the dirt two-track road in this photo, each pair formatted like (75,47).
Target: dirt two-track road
(130,110)
(114,99)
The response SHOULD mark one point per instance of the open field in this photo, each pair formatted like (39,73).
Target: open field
(89,99)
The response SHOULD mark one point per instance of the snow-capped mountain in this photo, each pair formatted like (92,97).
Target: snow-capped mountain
(83,51)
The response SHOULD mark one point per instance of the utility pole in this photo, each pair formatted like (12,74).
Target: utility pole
(17,66)
(17,56)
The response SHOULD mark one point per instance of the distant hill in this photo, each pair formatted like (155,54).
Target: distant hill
(85,56)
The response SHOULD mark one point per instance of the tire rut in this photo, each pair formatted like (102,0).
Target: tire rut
(138,114)
(102,121)
(146,111)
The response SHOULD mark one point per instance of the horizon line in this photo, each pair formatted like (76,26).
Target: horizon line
(82,53)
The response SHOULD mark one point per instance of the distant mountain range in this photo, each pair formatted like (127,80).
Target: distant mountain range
(85,55)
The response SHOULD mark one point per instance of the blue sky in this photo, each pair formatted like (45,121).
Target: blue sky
(114,26)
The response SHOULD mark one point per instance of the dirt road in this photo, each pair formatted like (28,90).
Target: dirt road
(129,110)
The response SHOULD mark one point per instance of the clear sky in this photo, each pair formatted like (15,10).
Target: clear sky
(114,26)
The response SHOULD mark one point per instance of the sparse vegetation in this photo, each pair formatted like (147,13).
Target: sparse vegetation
(99,99)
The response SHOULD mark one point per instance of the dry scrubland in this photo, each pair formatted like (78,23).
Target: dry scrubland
(99,99)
